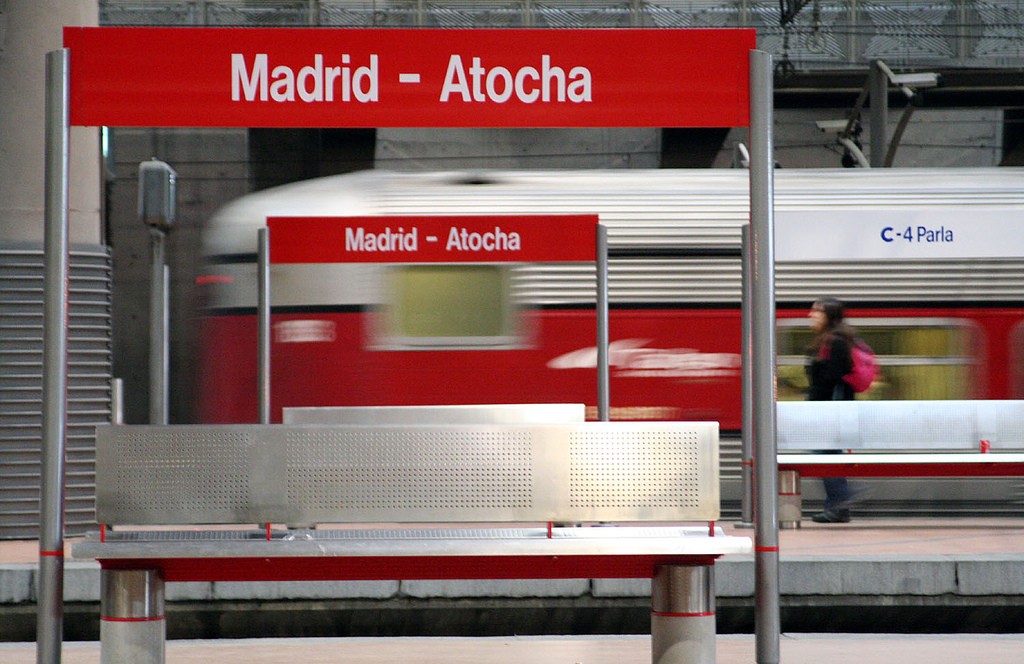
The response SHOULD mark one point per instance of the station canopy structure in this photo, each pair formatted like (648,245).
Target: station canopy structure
(812,37)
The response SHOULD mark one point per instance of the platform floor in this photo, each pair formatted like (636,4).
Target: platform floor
(863,536)
(732,649)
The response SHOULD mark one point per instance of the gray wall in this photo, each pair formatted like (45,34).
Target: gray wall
(212,168)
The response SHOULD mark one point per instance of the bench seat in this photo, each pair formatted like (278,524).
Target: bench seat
(939,438)
(414,553)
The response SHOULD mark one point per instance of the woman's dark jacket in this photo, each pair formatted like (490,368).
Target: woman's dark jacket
(826,368)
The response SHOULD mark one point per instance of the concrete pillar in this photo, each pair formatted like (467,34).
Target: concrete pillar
(34,29)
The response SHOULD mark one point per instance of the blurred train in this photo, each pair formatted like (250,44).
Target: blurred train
(367,334)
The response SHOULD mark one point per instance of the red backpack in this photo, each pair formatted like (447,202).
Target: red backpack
(865,367)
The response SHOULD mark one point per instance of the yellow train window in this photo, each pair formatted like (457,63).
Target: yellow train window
(448,306)
(922,358)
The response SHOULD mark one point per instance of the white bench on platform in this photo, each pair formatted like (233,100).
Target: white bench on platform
(895,439)
(501,475)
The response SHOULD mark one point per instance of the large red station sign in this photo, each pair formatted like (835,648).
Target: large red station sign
(495,239)
(320,77)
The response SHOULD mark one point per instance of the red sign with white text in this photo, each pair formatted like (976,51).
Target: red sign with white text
(321,77)
(497,239)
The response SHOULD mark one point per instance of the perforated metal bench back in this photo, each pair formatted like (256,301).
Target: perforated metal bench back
(664,471)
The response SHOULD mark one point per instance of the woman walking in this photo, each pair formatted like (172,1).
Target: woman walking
(828,360)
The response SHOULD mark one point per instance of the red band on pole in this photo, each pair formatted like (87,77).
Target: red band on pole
(765,549)
(214,279)
(55,554)
(669,614)
(132,620)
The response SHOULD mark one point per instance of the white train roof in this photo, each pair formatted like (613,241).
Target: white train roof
(691,206)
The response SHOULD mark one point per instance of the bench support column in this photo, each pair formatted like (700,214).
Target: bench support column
(790,499)
(683,614)
(133,629)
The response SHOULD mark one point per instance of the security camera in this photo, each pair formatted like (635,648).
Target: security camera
(918,80)
(831,125)
(157,194)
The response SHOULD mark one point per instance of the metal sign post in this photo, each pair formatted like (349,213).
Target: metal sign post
(746,387)
(50,619)
(603,388)
(159,330)
(263,322)
(762,246)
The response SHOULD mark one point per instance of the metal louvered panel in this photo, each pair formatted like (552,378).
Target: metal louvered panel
(705,281)
(22,294)
(915,281)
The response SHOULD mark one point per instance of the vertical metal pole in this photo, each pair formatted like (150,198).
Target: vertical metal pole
(117,401)
(762,245)
(746,387)
(159,322)
(165,342)
(879,118)
(603,398)
(263,316)
(263,326)
(50,617)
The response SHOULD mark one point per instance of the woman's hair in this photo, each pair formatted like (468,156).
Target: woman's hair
(833,310)
(835,321)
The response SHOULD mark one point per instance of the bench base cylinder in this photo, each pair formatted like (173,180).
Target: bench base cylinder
(132,642)
(790,499)
(683,615)
(133,629)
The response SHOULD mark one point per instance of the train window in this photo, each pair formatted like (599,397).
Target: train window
(448,306)
(918,358)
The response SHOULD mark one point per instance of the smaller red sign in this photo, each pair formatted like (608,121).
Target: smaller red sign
(496,239)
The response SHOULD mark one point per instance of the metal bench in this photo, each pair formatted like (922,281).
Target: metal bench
(513,482)
(895,439)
